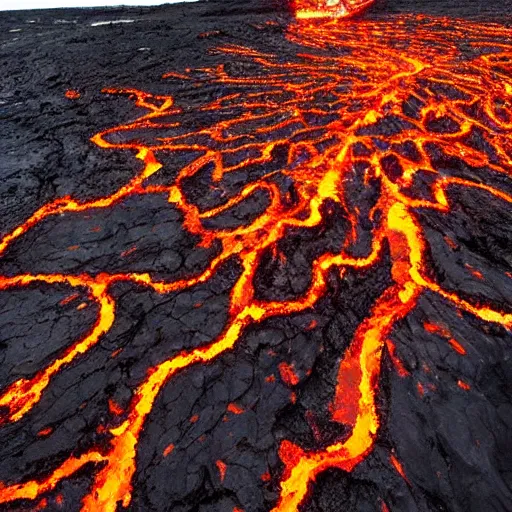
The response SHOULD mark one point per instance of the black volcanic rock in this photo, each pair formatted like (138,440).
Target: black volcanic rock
(454,443)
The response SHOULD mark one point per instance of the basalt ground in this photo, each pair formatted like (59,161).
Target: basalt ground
(213,279)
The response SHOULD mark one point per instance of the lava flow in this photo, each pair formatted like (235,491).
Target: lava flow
(364,112)
(308,9)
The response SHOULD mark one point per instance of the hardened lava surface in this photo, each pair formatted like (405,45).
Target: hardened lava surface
(284,283)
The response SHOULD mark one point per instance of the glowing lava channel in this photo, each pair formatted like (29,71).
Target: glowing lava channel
(314,9)
(382,68)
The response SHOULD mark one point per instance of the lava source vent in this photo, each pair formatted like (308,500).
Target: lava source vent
(253,262)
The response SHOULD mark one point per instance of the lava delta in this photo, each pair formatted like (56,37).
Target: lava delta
(300,298)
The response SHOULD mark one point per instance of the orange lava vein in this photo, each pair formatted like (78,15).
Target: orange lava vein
(23,394)
(332,103)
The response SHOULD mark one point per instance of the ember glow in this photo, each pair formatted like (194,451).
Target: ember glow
(327,106)
(308,9)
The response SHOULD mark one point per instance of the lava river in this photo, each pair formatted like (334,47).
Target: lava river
(358,125)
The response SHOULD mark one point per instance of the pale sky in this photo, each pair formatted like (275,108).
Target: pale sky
(9,5)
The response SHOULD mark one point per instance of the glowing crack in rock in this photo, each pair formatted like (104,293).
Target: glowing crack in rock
(326,106)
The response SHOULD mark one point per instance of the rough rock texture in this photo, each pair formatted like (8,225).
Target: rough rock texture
(453,443)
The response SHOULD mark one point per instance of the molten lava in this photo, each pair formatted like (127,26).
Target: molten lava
(327,106)
(308,9)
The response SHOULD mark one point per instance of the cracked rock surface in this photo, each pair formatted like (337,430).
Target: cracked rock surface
(210,443)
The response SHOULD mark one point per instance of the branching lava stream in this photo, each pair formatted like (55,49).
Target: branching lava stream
(328,106)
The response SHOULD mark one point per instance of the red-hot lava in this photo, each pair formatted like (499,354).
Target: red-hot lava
(308,9)
(326,105)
